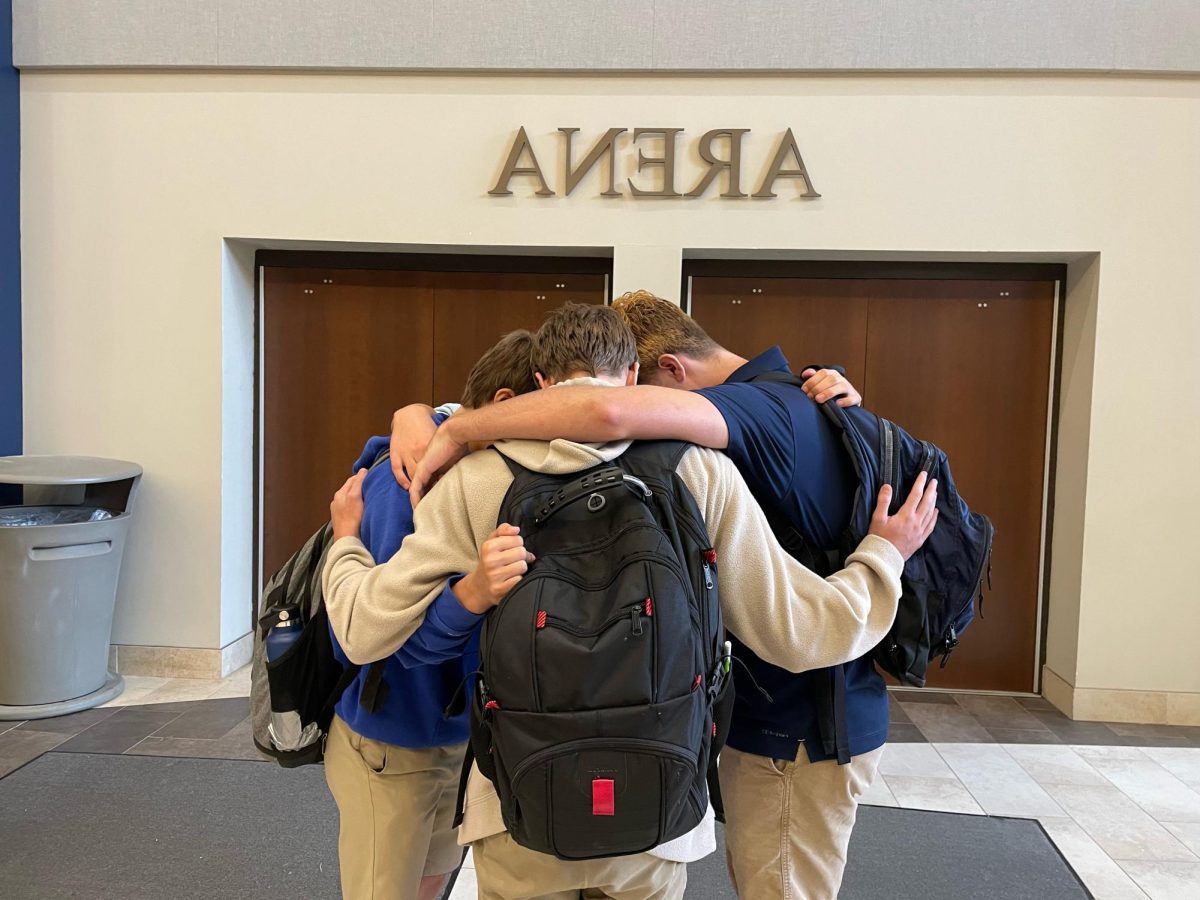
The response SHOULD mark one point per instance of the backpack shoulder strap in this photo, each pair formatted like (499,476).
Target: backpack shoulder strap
(780,377)
(832,411)
(649,456)
(382,456)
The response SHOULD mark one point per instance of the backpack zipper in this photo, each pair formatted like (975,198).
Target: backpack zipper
(634,612)
(950,639)
(643,745)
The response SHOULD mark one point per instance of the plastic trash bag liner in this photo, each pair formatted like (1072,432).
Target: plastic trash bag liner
(51,515)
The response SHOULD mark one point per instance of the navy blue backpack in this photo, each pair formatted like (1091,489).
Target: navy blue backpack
(942,580)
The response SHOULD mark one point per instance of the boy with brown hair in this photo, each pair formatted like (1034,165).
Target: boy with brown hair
(772,603)
(790,807)
(392,761)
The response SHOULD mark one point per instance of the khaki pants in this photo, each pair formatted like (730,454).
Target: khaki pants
(788,822)
(507,871)
(396,807)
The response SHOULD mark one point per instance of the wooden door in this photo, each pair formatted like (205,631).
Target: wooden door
(473,309)
(813,320)
(341,350)
(970,377)
(966,364)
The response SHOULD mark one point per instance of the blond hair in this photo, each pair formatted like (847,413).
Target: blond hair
(505,365)
(659,326)
(582,338)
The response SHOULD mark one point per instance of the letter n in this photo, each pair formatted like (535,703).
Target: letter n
(606,144)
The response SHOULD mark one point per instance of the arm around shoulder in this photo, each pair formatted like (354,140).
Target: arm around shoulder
(787,614)
(374,609)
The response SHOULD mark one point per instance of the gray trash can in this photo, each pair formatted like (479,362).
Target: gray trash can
(60,559)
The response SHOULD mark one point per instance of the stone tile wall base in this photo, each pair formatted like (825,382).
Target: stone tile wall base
(182,662)
(1104,705)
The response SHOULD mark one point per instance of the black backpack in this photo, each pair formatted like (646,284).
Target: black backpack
(292,699)
(604,693)
(942,580)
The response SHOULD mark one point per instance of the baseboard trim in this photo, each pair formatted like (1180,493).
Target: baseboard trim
(210,664)
(1133,707)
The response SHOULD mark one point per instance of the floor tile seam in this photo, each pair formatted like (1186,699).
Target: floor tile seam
(970,793)
(1045,784)
(1036,726)
(940,807)
(1097,840)
(1120,861)
(1016,762)
(1144,809)
(1083,825)
(219,737)
(1182,783)
(1098,849)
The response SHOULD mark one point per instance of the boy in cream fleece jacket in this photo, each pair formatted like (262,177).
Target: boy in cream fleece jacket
(782,611)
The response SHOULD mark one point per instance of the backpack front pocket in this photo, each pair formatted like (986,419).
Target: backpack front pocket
(601,796)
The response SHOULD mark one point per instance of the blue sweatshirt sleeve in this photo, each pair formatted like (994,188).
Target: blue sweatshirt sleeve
(445,633)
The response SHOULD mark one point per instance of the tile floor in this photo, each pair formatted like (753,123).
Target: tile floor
(1122,802)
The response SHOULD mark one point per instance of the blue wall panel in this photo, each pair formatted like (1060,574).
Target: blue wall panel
(10,241)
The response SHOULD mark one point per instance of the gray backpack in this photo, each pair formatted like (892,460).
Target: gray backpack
(292,698)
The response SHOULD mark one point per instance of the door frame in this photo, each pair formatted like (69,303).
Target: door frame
(928,271)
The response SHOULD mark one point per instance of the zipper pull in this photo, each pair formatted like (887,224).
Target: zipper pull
(710,559)
(635,614)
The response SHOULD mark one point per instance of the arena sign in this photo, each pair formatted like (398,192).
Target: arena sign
(785,162)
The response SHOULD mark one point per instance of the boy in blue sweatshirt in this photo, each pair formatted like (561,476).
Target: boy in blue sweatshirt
(394,757)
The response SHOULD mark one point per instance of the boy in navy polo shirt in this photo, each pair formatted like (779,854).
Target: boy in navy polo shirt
(393,759)
(789,805)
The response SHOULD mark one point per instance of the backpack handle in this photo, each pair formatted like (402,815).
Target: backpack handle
(592,485)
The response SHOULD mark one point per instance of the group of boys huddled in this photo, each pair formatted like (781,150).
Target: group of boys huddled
(414,569)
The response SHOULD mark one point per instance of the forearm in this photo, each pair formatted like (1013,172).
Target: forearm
(375,609)
(370,613)
(596,414)
(785,613)
(822,622)
(443,635)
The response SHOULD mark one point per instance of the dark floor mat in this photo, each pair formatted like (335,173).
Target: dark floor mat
(145,828)
(906,854)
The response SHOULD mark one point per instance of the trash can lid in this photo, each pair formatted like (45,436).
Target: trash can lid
(65,470)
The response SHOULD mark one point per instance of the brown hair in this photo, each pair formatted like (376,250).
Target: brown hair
(582,338)
(505,365)
(659,326)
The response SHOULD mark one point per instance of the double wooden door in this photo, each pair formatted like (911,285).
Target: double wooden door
(963,363)
(343,348)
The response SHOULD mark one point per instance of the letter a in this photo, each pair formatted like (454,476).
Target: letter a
(519,146)
(787,144)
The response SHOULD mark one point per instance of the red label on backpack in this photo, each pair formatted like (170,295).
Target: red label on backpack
(603,803)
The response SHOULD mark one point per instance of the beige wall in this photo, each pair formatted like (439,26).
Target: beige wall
(135,318)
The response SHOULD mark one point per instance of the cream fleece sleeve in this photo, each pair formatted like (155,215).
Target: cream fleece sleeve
(784,612)
(374,609)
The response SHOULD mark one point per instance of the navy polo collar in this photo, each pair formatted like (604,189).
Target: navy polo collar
(771,360)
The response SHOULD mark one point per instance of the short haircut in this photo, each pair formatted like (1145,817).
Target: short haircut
(505,365)
(659,326)
(583,338)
